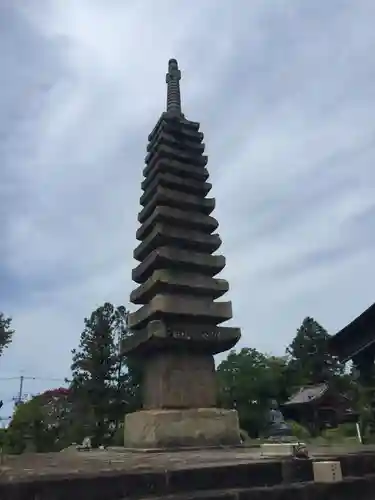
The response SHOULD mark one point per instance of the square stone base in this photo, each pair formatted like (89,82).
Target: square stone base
(170,381)
(201,427)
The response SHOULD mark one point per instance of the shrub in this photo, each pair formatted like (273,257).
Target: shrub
(333,435)
(347,430)
(299,431)
(118,437)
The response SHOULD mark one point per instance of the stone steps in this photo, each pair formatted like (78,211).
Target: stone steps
(362,488)
(266,480)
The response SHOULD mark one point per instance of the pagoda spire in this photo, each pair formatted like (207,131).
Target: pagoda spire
(173,78)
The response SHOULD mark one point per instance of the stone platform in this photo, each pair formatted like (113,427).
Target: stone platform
(178,428)
(230,474)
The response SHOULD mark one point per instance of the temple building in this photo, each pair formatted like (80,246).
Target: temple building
(319,406)
(356,342)
(177,329)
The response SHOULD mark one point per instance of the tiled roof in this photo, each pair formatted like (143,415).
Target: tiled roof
(307,394)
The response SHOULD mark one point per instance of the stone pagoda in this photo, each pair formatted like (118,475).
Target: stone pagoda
(175,332)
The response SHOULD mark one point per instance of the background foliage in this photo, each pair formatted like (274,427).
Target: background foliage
(105,386)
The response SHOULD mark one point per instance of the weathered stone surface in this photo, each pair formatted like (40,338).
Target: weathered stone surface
(179,428)
(167,120)
(200,309)
(172,124)
(177,282)
(168,158)
(175,167)
(177,138)
(203,338)
(177,135)
(235,473)
(174,199)
(173,258)
(167,153)
(182,184)
(183,239)
(170,380)
(179,218)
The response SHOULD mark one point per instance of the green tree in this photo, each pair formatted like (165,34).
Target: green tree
(248,380)
(130,385)
(44,422)
(26,427)
(6,332)
(102,382)
(309,359)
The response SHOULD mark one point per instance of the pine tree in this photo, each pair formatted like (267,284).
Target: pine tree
(100,378)
(310,361)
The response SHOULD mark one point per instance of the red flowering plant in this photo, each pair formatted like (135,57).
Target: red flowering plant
(57,406)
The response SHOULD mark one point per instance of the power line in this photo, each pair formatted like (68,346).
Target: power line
(22,378)
(50,379)
(31,377)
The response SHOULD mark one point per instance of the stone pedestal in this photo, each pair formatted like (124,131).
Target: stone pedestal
(200,427)
(179,380)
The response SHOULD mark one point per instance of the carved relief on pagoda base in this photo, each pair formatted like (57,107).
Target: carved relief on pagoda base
(174,380)
(193,338)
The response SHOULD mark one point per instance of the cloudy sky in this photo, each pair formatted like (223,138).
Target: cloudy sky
(285,93)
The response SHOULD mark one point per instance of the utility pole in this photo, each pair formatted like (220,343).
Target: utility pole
(20,393)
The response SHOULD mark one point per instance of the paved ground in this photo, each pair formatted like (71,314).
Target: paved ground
(93,462)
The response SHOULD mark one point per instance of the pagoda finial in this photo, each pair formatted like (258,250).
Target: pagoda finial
(173,78)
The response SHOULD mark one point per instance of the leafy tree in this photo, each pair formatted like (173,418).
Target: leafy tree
(102,382)
(44,422)
(6,332)
(309,359)
(130,384)
(26,425)
(248,380)
(59,415)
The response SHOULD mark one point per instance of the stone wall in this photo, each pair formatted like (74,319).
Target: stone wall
(253,481)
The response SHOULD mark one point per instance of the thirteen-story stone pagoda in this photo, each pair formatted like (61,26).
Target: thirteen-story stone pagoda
(175,332)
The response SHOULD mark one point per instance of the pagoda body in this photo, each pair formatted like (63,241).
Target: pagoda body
(176,332)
